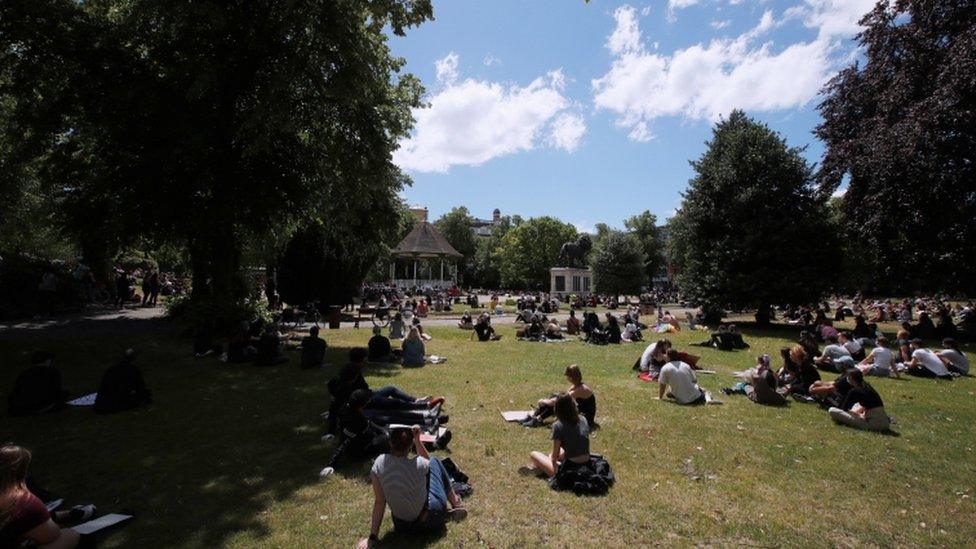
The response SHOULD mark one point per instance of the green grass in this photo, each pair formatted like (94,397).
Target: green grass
(229,455)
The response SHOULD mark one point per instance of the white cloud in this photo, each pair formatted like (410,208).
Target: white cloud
(707,80)
(566,132)
(718,25)
(447,68)
(492,60)
(469,122)
(678,4)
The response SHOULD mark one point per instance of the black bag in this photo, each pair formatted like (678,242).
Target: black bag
(593,478)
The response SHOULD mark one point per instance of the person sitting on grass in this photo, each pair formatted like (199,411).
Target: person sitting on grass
(613,329)
(420,329)
(423,308)
(631,334)
(925,363)
(360,438)
(881,361)
(553,331)
(585,400)
(483,329)
(954,359)
(760,386)
(735,335)
(904,346)
(240,348)
(797,373)
(414,352)
(380,350)
(853,346)
(313,349)
(677,380)
(835,357)
(269,348)
(38,388)
(397,327)
(417,490)
(862,407)
(24,519)
(572,323)
(570,441)
(810,345)
(466,322)
(122,387)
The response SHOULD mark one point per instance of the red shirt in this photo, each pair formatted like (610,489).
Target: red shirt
(28,513)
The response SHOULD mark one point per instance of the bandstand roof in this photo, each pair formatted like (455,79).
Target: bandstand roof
(424,241)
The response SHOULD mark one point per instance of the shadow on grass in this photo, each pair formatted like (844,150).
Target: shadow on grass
(396,539)
(219,448)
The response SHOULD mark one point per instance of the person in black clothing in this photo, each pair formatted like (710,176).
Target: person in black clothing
(585,401)
(359,438)
(613,329)
(810,345)
(269,348)
(862,329)
(122,387)
(798,373)
(121,288)
(484,331)
(379,346)
(313,349)
(386,402)
(240,348)
(925,329)
(862,407)
(38,388)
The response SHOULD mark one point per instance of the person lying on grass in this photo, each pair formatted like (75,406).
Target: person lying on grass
(835,357)
(862,407)
(581,393)
(761,385)
(24,520)
(360,438)
(350,379)
(570,440)
(417,489)
(677,380)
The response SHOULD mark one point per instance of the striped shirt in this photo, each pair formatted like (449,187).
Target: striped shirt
(404,483)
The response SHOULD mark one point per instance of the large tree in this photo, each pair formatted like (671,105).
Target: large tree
(529,250)
(485,269)
(644,228)
(208,123)
(618,264)
(456,226)
(751,230)
(902,127)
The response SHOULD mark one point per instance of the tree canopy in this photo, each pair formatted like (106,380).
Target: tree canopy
(530,249)
(751,230)
(208,123)
(644,227)
(902,127)
(618,264)
(456,225)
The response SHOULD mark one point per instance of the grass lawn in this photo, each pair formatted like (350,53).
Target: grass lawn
(229,455)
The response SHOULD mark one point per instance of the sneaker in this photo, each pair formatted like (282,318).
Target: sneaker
(328,471)
(457,514)
(442,442)
(82,512)
(436,401)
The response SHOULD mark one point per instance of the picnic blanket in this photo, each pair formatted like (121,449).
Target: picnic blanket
(517,415)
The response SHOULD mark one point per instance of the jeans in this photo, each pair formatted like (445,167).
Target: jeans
(439,483)
(874,419)
(392,398)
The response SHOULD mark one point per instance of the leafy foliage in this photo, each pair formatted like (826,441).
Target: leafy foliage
(530,249)
(208,124)
(455,225)
(751,231)
(618,264)
(902,127)
(644,228)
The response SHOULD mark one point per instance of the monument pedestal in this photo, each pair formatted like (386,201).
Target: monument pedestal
(570,280)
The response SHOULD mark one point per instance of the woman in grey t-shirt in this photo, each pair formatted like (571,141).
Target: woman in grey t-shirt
(570,439)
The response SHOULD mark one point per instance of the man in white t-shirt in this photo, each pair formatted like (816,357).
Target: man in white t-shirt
(680,379)
(925,363)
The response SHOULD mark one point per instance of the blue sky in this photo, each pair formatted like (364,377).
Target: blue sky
(591,112)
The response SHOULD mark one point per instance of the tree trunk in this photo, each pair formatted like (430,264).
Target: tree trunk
(762,314)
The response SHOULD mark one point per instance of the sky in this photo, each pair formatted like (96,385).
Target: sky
(591,112)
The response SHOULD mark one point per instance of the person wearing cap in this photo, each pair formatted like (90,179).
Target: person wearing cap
(380,350)
(925,363)
(122,387)
(38,388)
(954,359)
(417,489)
